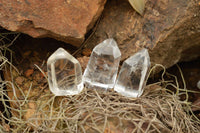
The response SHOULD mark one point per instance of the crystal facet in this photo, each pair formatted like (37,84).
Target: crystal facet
(64,73)
(101,71)
(133,74)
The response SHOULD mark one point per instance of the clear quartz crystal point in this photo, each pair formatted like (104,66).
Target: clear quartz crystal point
(101,71)
(133,74)
(64,73)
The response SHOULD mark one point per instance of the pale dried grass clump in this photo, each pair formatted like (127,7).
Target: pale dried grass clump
(93,111)
(158,110)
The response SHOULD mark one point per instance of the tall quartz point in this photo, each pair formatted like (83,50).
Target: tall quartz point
(133,74)
(64,73)
(101,71)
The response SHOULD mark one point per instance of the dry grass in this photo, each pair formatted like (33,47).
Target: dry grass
(93,111)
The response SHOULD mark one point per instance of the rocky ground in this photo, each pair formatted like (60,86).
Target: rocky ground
(169,29)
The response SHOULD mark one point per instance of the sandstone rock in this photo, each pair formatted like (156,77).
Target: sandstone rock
(65,20)
(170,29)
(83,61)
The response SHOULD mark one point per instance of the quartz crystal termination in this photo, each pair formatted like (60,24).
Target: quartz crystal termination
(133,75)
(101,71)
(64,73)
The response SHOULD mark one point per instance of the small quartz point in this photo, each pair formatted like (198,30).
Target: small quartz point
(101,71)
(64,73)
(133,75)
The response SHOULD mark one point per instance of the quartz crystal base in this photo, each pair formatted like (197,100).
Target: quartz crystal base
(133,74)
(103,65)
(64,74)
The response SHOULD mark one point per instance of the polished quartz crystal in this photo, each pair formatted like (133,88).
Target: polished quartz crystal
(103,65)
(133,74)
(64,73)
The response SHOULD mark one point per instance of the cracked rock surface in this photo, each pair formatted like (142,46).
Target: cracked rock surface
(170,29)
(65,20)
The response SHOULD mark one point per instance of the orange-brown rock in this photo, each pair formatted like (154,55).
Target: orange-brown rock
(169,28)
(65,20)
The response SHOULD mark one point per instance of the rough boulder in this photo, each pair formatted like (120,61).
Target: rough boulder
(65,20)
